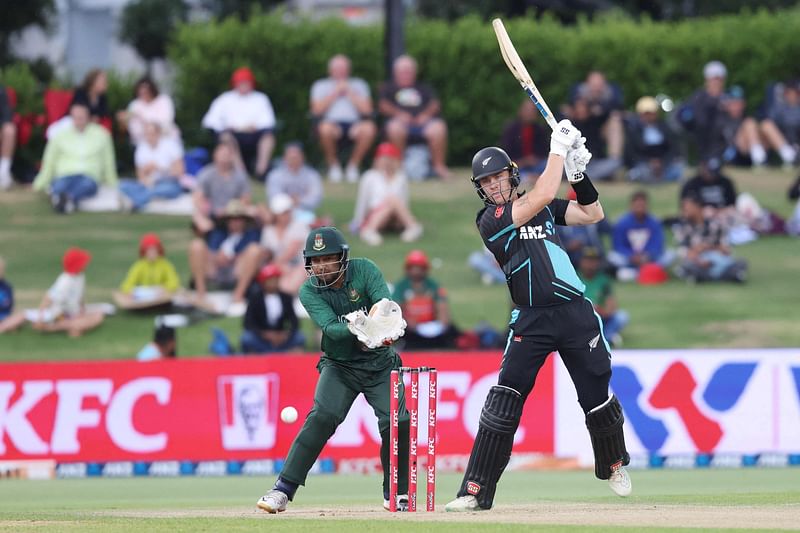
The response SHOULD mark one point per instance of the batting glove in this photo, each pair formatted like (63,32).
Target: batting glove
(575,163)
(564,136)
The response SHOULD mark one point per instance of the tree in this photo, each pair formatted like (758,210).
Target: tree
(16,16)
(239,8)
(148,25)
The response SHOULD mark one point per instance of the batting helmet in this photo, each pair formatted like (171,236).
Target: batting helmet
(489,161)
(326,240)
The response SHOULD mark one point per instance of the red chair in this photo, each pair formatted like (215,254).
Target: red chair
(56,104)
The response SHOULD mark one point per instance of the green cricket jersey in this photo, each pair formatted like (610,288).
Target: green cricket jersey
(364,286)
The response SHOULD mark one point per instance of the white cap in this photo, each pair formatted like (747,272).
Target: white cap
(280,203)
(715,69)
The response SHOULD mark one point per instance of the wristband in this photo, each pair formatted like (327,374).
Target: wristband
(585,192)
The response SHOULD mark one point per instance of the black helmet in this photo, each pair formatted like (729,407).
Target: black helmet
(489,161)
(326,240)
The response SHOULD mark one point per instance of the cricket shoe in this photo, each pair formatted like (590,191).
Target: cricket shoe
(402,503)
(620,482)
(463,504)
(273,502)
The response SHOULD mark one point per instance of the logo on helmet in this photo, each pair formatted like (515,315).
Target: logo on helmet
(486,161)
(319,244)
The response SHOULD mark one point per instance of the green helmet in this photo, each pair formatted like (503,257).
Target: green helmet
(326,240)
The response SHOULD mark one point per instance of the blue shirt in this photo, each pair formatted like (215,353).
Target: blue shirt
(632,236)
(6,299)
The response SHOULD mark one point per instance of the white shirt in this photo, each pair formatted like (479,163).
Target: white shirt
(159,110)
(294,232)
(342,109)
(66,294)
(235,111)
(163,155)
(274,308)
(373,190)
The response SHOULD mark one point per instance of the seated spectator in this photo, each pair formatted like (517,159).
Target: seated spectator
(62,308)
(229,255)
(603,165)
(412,110)
(92,94)
(739,132)
(151,280)
(599,291)
(425,307)
(270,324)
(249,116)
(6,297)
(597,103)
(301,182)
(159,169)
(342,107)
(703,248)
(486,265)
(8,139)
(781,127)
(283,239)
(716,192)
(576,238)
(217,184)
(382,203)
(149,106)
(637,240)
(525,141)
(793,224)
(162,347)
(652,151)
(76,161)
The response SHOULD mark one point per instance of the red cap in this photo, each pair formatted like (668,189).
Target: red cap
(242,74)
(417,258)
(388,150)
(150,240)
(652,274)
(269,271)
(75,260)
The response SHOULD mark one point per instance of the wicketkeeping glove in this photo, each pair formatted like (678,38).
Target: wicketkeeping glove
(576,161)
(563,138)
(381,327)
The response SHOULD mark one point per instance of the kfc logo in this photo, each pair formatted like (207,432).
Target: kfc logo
(248,407)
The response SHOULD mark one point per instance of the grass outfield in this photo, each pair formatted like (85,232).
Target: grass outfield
(33,238)
(553,501)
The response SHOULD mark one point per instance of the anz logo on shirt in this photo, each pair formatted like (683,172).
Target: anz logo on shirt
(536,232)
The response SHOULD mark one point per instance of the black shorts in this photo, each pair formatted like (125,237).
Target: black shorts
(572,329)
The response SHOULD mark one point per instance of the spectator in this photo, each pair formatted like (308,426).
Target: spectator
(425,307)
(6,297)
(301,182)
(92,94)
(229,256)
(526,140)
(412,112)
(149,106)
(599,291)
(270,324)
(162,347)
(576,238)
(159,168)
(603,165)
(716,192)
(637,240)
(76,160)
(152,279)
(382,202)
(217,184)
(781,127)
(652,149)
(739,132)
(703,248)
(342,105)
(249,116)
(282,240)
(62,308)
(793,224)
(484,263)
(8,139)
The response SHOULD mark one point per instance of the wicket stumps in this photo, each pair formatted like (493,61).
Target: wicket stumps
(413,411)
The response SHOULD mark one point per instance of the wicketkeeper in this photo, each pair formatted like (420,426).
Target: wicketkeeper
(550,312)
(357,357)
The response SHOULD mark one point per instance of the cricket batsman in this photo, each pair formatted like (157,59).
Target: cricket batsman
(550,312)
(357,358)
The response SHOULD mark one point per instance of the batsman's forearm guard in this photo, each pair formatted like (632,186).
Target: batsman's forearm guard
(585,192)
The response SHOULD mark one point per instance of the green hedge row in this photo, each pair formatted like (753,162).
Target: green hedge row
(462,61)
